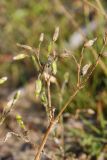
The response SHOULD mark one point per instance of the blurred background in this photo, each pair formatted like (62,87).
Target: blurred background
(22,22)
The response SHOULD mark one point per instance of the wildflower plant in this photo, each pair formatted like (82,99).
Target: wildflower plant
(47,75)
(47,71)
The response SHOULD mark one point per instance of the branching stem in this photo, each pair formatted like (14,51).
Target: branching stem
(81,85)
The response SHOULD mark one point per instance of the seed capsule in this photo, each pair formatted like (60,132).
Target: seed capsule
(56,34)
(90,43)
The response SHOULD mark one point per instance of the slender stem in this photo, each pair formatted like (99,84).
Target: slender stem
(49,94)
(39,47)
(36,55)
(6,112)
(49,100)
(79,67)
(53,123)
(37,157)
(74,59)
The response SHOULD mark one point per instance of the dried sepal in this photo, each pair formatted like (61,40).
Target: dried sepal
(49,77)
(56,34)
(20,56)
(41,37)
(3,80)
(90,43)
(25,47)
(85,69)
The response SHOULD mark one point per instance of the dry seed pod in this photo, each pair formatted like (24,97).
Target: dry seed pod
(56,34)
(49,77)
(20,56)
(85,69)
(90,43)
(41,37)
